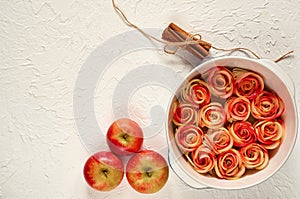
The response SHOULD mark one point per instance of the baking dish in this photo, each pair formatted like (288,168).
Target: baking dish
(276,79)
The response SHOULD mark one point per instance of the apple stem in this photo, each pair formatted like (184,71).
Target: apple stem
(148,172)
(105,172)
(125,136)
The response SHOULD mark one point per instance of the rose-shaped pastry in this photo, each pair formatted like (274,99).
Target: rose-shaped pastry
(237,108)
(254,156)
(202,159)
(188,138)
(196,92)
(243,133)
(227,121)
(219,140)
(270,133)
(229,165)
(267,105)
(248,83)
(212,116)
(184,114)
(220,81)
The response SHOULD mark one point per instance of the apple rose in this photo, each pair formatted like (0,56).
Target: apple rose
(254,156)
(270,133)
(267,105)
(219,140)
(196,92)
(188,138)
(221,82)
(248,83)
(202,159)
(243,133)
(237,108)
(229,165)
(212,116)
(184,114)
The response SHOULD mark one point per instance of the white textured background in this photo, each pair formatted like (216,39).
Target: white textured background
(43,44)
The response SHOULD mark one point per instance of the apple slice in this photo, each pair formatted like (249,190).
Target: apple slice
(103,171)
(124,137)
(147,171)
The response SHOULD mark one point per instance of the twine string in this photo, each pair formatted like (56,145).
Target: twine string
(284,56)
(238,49)
(191,39)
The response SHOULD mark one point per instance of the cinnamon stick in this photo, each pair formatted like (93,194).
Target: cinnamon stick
(174,33)
(171,35)
(184,34)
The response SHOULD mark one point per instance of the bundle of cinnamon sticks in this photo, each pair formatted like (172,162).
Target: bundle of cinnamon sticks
(174,33)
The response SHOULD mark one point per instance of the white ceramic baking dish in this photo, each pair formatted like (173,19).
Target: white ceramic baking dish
(277,80)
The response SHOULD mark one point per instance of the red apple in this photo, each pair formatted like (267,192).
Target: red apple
(103,171)
(124,137)
(147,171)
